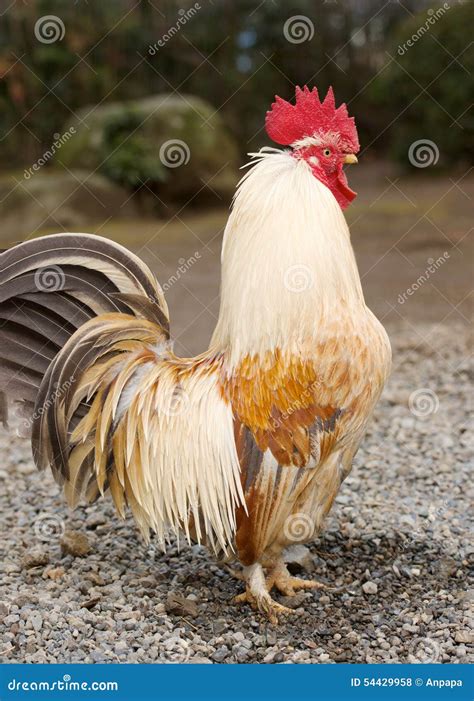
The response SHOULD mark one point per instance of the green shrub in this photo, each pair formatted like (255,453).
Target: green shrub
(127,157)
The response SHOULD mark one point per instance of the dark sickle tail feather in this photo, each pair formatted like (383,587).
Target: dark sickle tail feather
(49,289)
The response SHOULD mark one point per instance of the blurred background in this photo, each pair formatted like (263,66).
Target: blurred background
(131,119)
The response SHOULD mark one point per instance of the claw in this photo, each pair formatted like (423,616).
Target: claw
(257,589)
(265,604)
(256,594)
(282,580)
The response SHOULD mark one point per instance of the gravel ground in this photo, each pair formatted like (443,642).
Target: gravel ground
(82,587)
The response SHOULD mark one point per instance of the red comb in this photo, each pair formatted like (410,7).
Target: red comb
(286,123)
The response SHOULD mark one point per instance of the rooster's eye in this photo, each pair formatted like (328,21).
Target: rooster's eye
(327,152)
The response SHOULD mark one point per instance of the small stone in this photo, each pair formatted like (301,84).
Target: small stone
(295,601)
(241,652)
(179,605)
(370,587)
(11,619)
(34,558)
(219,626)
(36,621)
(90,603)
(220,654)
(299,555)
(464,636)
(75,543)
(55,573)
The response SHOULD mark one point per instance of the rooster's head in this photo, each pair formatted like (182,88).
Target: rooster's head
(323,136)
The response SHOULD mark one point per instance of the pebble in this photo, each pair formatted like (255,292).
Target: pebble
(34,558)
(179,605)
(221,653)
(75,543)
(370,587)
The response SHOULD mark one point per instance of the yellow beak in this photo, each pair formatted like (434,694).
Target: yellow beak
(350,158)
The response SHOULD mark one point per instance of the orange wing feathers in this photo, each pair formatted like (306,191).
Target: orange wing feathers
(284,400)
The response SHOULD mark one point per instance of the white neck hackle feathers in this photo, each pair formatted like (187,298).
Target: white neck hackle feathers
(287,260)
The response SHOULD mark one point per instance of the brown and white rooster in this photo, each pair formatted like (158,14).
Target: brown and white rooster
(244,447)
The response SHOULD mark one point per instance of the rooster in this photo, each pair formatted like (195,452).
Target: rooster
(244,447)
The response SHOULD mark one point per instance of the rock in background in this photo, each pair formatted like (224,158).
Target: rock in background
(168,146)
(54,201)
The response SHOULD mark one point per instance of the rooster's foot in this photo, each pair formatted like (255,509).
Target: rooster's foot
(256,594)
(282,580)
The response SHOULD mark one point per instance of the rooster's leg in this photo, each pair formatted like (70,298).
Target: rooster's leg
(282,580)
(256,594)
